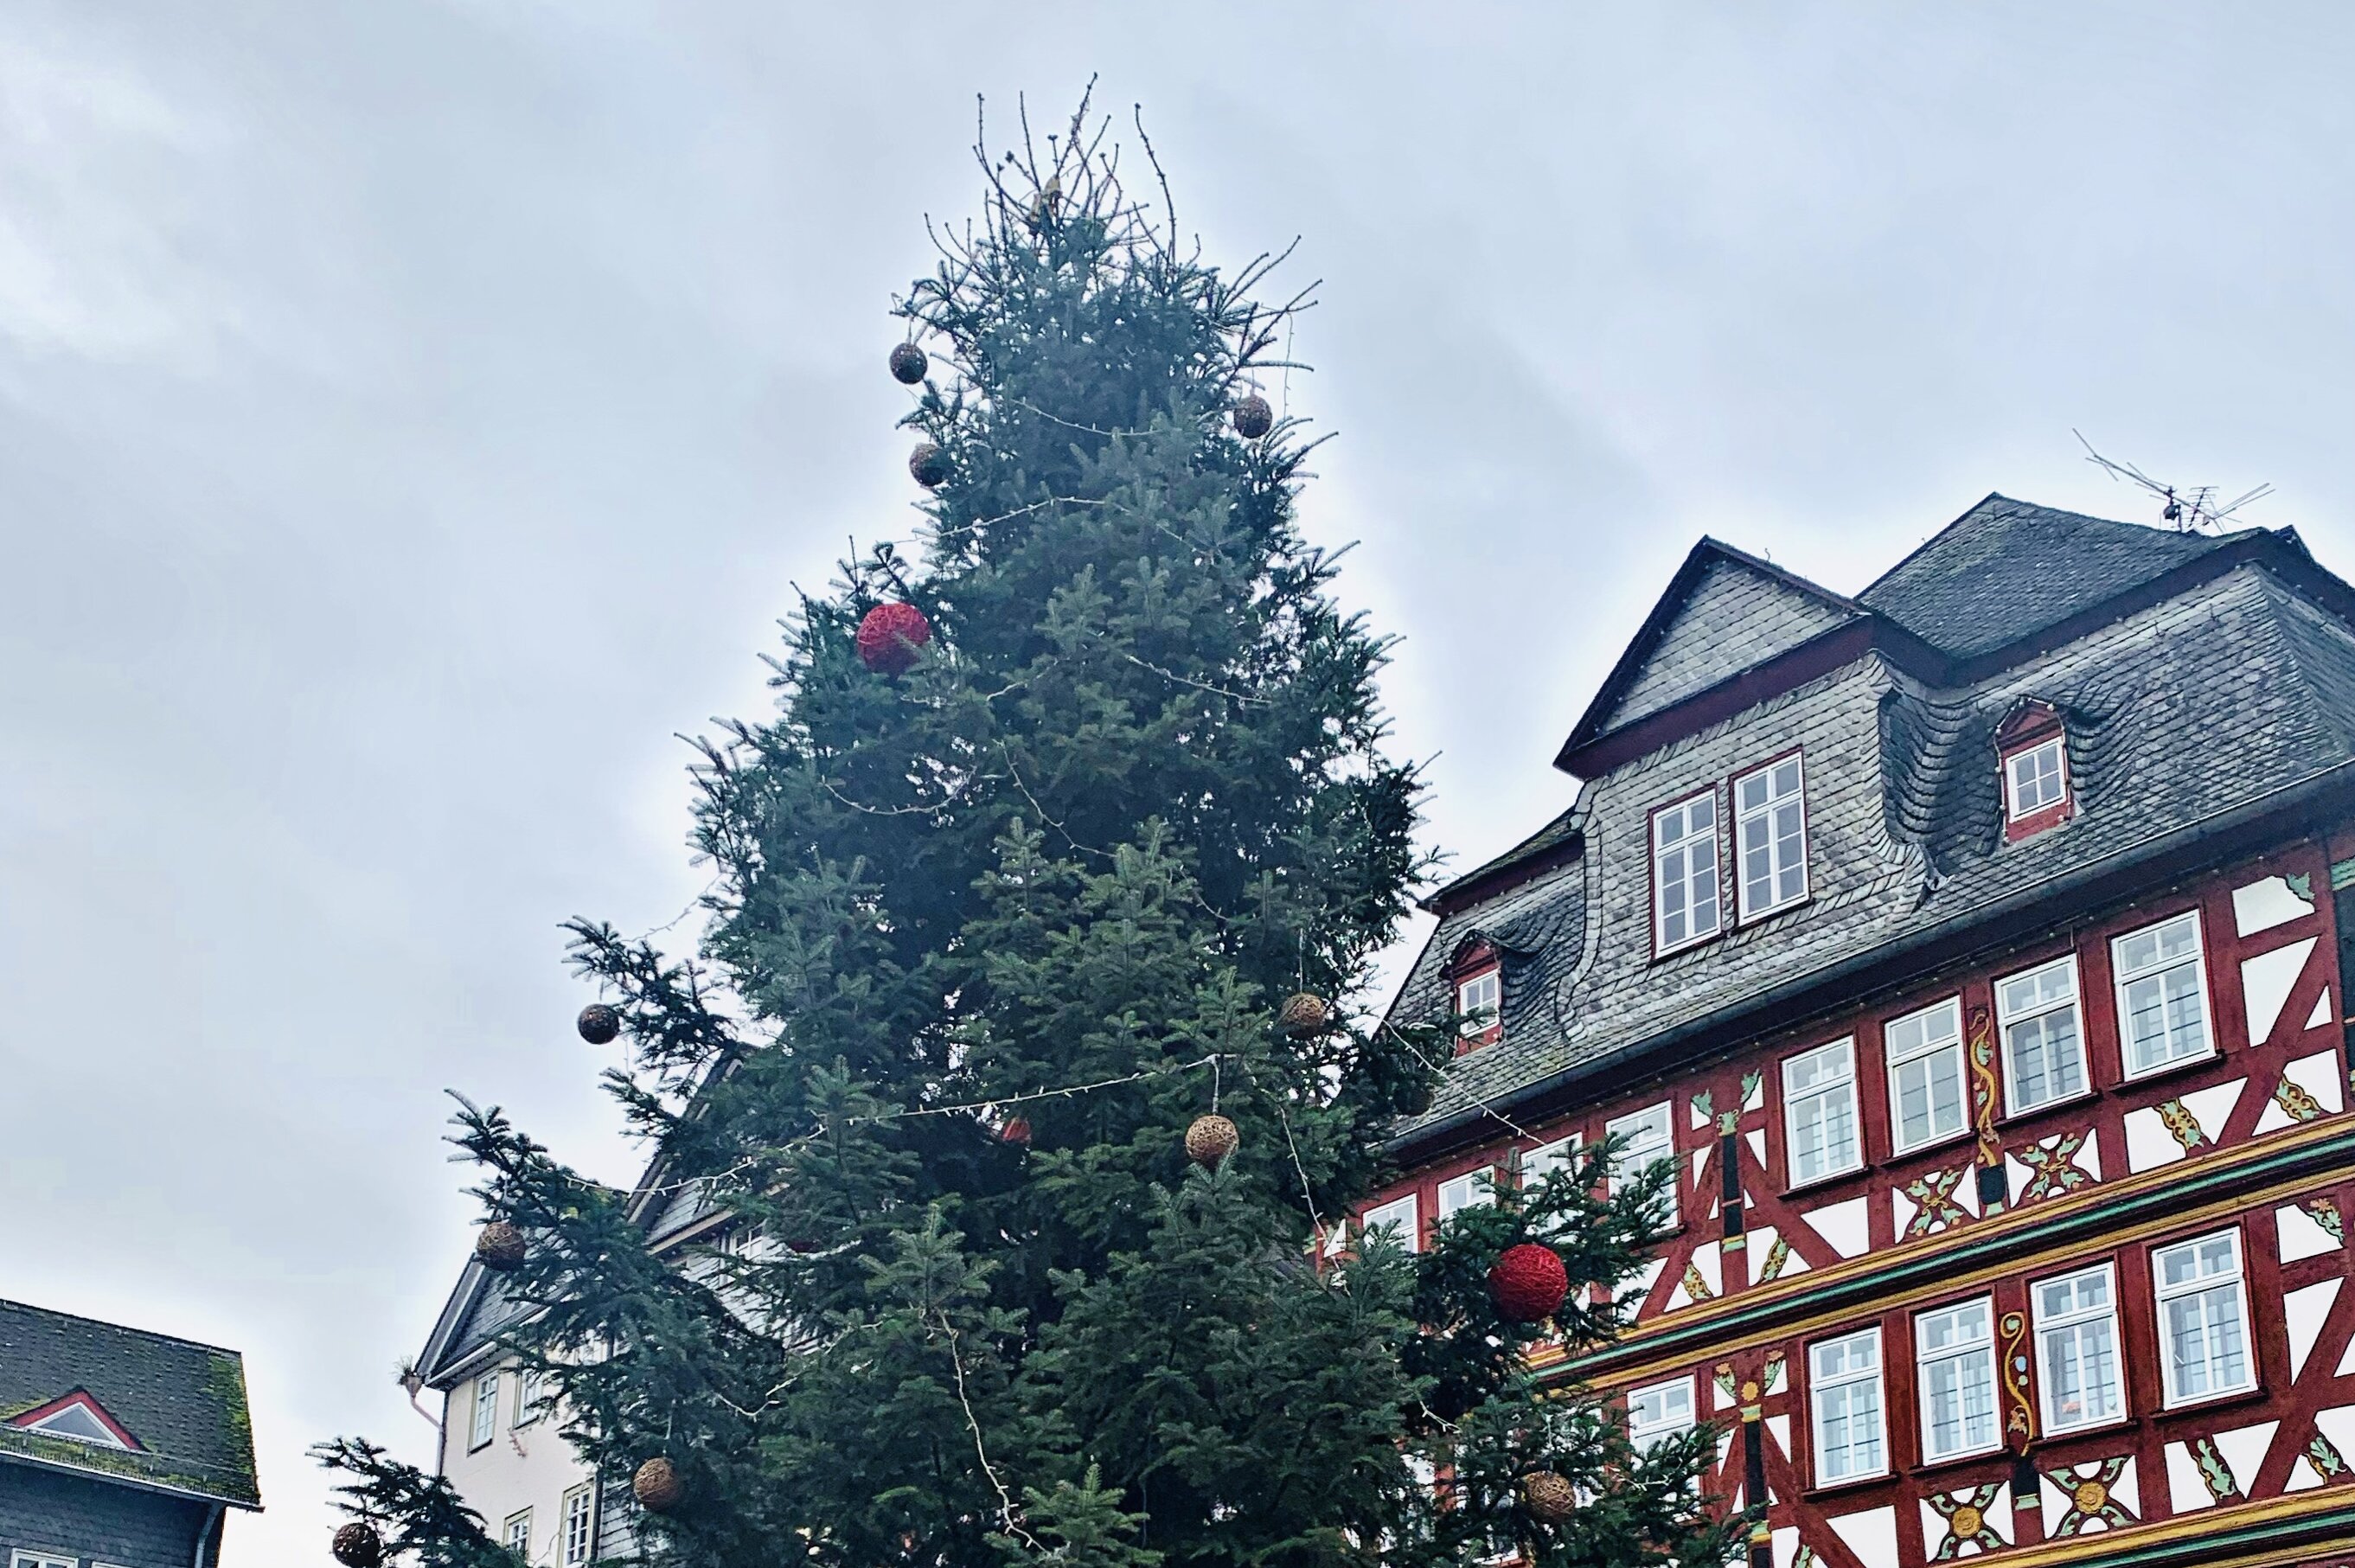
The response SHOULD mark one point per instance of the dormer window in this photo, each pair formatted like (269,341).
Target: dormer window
(1684,872)
(1479,997)
(2034,755)
(79,1416)
(1770,833)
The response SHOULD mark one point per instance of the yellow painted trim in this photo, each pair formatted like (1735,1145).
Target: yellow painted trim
(1953,1283)
(2283,1509)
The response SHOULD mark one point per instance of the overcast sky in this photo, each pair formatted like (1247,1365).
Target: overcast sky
(411,417)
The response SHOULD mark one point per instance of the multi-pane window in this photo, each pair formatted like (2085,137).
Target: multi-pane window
(2044,1045)
(487,1411)
(530,1385)
(1544,1160)
(2163,994)
(1925,1075)
(1844,1399)
(2035,779)
(1660,1413)
(2077,1374)
(1770,830)
(1684,872)
(1478,999)
(2203,1317)
(1464,1191)
(1953,1350)
(580,1524)
(1399,1218)
(518,1534)
(1819,1111)
(1650,1142)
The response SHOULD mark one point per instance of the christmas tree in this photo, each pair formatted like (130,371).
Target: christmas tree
(1005,1047)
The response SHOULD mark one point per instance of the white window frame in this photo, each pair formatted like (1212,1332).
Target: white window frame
(529,1384)
(24,1557)
(2072,1004)
(1489,977)
(482,1423)
(2052,1328)
(1981,1352)
(1892,1059)
(515,1534)
(1793,1098)
(2121,977)
(1648,1432)
(1818,1385)
(1711,878)
(1626,1162)
(1469,1190)
(2163,1293)
(2012,809)
(1764,813)
(577,1525)
(1399,1212)
(1538,1162)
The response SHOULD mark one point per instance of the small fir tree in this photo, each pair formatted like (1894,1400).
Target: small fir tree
(989,932)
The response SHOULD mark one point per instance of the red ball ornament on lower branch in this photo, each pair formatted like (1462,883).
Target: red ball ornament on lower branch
(888,637)
(1528,1283)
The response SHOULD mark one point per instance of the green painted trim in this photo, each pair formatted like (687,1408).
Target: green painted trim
(2342,874)
(2331,1531)
(2325,1156)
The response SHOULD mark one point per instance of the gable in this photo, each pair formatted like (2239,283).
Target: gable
(79,1416)
(1732,615)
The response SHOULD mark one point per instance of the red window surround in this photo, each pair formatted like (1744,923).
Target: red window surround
(1476,984)
(2031,727)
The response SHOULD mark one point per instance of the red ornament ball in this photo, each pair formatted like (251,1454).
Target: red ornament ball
(1528,1283)
(357,1545)
(1015,1132)
(908,364)
(1252,417)
(888,637)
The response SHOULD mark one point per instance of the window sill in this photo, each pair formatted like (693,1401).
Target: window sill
(1755,918)
(1948,1461)
(2047,1436)
(2207,1402)
(1846,1483)
(2011,1118)
(1942,1140)
(2151,1075)
(1816,1184)
(1662,954)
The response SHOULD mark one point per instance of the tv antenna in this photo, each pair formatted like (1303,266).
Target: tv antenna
(2191,509)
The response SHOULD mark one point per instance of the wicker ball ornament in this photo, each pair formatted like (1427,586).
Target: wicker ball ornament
(357,1545)
(888,637)
(1528,1283)
(1210,1139)
(1548,1498)
(929,465)
(908,364)
(1304,1017)
(657,1486)
(500,1246)
(1252,417)
(598,1024)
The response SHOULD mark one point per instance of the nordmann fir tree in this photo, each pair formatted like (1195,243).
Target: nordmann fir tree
(1005,915)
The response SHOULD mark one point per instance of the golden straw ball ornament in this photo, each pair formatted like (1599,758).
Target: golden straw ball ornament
(1304,1016)
(1548,1498)
(500,1245)
(1210,1139)
(657,1486)
(357,1545)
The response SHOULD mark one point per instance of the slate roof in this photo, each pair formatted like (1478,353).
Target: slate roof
(2233,690)
(2006,570)
(183,1403)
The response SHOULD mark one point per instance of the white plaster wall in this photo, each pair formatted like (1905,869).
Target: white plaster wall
(522,1466)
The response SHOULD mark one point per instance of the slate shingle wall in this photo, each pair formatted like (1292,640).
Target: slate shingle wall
(93,1521)
(2208,701)
(1735,618)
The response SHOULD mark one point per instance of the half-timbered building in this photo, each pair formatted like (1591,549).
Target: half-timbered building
(1973,947)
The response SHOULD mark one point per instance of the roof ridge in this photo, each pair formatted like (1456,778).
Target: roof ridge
(7,1305)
